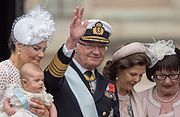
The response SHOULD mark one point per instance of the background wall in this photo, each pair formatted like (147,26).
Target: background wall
(9,9)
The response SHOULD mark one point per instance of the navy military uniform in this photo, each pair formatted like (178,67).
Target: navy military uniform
(64,99)
(105,95)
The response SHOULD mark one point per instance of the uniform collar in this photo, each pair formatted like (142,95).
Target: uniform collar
(82,69)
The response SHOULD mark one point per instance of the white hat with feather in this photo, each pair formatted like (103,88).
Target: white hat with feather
(34,27)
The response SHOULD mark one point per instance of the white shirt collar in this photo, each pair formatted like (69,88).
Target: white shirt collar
(82,69)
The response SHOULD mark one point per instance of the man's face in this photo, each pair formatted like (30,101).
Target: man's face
(90,54)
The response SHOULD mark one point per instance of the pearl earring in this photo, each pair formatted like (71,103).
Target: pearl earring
(18,53)
(116,78)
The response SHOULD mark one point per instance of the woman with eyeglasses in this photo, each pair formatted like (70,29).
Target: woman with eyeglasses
(28,42)
(163,100)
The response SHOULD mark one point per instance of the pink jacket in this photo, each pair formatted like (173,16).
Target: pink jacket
(152,107)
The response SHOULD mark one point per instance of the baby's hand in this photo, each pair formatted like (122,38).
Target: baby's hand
(10,111)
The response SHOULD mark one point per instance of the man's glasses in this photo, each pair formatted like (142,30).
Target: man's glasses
(170,76)
(92,46)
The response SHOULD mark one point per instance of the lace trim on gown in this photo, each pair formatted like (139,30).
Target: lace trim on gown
(9,74)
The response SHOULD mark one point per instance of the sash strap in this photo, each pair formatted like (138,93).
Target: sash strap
(81,92)
(23,100)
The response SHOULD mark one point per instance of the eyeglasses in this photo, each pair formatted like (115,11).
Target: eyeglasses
(92,46)
(164,76)
(37,48)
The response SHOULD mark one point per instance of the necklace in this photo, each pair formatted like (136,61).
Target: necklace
(127,102)
(166,101)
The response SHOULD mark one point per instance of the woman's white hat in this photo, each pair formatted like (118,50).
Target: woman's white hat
(159,49)
(129,49)
(33,27)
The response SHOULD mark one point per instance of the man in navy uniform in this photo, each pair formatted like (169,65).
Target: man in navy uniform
(79,90)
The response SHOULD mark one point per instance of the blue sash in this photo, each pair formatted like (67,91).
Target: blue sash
(23,100)
(82,94)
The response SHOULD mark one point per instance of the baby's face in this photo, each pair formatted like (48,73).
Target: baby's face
(35,82)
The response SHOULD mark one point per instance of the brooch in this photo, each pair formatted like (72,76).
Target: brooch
(110,90)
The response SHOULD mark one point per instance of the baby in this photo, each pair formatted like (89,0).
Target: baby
(17,97)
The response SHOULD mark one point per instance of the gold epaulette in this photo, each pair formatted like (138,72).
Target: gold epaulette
(56,67)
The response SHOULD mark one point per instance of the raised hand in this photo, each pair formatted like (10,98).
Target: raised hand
(77,29)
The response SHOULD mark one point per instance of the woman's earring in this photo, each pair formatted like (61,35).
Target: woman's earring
(18,53)
(116,78)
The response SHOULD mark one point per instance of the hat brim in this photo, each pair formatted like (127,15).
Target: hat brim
(95,39)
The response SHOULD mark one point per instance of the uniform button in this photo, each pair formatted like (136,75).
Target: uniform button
(104,114)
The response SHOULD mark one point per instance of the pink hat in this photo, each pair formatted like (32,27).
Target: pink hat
(129,49)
